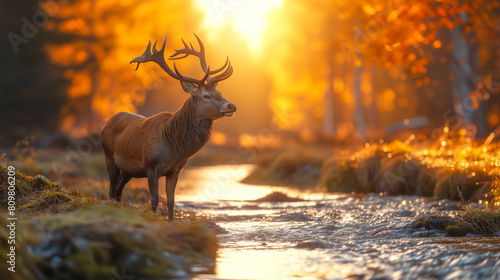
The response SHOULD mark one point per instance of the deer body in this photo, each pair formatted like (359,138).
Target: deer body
(138,147)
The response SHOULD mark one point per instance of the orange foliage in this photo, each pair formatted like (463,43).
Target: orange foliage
(111,33)
(436,44)
(301,60)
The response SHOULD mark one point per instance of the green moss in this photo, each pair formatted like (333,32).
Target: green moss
(37,195)
(419,223)
(91,239)
(459,228)
(96,241)
(436,222)
(478,222)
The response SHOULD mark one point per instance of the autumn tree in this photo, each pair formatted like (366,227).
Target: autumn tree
(344,62)
(409,33)
(104,36)
(314,78)
(301,60)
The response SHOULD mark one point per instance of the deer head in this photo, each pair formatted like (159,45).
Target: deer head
(207,100)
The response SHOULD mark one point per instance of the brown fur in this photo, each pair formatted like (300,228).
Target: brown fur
(137,147)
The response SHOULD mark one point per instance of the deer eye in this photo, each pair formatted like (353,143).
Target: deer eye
(206,96)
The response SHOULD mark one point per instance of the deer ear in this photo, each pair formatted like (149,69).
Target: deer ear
(190,87)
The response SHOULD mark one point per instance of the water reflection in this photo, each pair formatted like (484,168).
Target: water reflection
(222,183)
(217,183)
(329,236)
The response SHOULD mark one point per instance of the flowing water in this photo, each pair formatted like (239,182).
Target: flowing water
(329,236)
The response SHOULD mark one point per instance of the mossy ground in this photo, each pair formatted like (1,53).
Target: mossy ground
(38,195)
(476,222)
(63,234)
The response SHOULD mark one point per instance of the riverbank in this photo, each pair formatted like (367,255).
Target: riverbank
(452,169)
(63,234)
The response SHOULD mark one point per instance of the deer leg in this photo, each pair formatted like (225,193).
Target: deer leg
(123,180)
(153,189)
(171,183)
(114,174)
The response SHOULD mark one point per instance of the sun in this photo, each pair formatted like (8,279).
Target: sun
(248,17)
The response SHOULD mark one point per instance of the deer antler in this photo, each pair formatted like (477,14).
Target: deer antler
(157,56)
(189,50)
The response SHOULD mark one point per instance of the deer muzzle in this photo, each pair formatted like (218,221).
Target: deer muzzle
(230,109)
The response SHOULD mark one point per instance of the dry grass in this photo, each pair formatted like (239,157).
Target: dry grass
(421,167)
(424,169)
(298,168)
(476,222)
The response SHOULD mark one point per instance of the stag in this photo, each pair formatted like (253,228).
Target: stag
(137,147)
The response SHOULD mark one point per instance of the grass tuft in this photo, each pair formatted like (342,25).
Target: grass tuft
(425,168)
(476,222)
(278,197)
(296,168)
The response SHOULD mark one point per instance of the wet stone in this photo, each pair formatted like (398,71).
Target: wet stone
(278,197)
(312,245)
(405,213)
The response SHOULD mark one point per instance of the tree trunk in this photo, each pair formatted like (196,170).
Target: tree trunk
(92,118)
(359,118)
(372,108)
(465,69)
(328,102)
(479,114)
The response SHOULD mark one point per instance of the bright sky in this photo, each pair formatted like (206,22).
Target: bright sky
(248,17)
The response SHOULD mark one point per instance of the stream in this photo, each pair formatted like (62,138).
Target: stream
(328,236)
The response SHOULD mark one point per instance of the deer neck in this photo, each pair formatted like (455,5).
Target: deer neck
(187,130)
